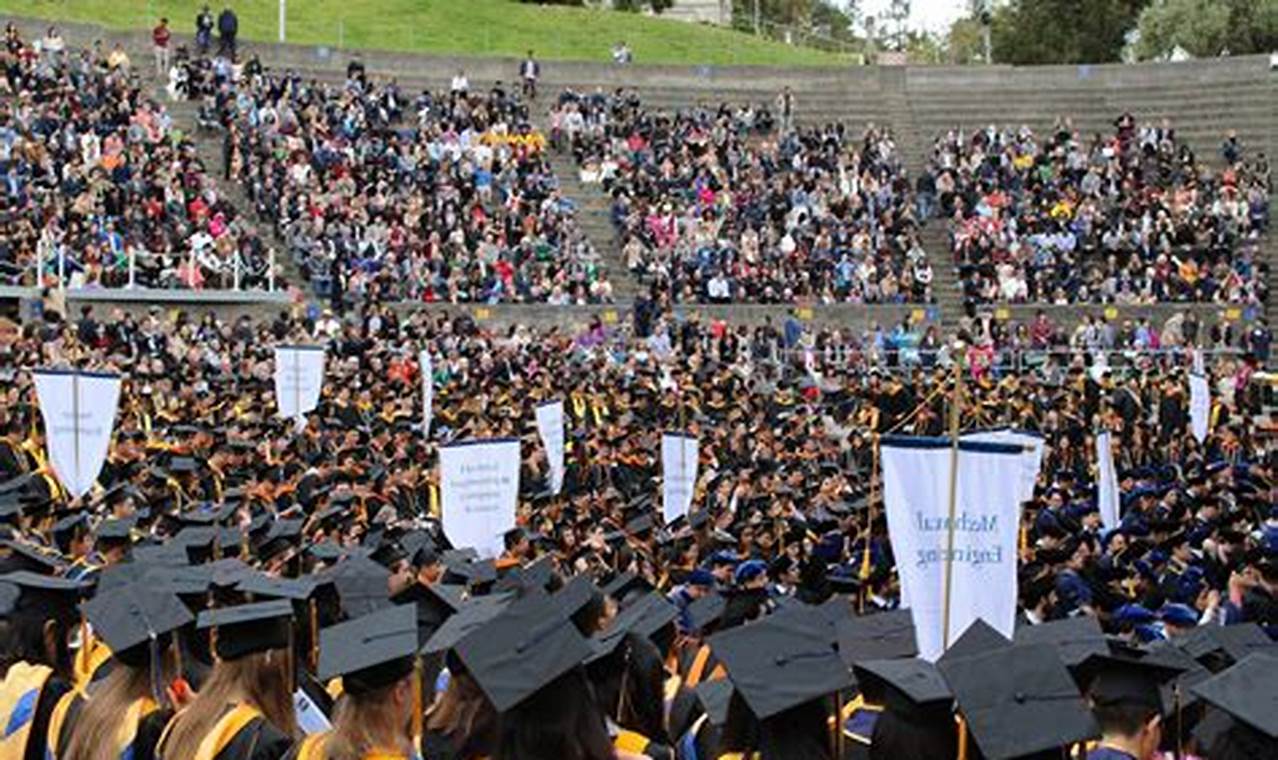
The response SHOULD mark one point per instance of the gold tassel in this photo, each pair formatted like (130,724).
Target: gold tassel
(417,704)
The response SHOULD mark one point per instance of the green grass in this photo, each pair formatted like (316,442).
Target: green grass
(467,27)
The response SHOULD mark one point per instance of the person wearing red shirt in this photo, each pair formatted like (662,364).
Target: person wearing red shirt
(160,37)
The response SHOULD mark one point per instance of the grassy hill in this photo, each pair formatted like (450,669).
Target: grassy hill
(468,27)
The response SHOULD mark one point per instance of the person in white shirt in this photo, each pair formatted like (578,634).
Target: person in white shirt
(460,83)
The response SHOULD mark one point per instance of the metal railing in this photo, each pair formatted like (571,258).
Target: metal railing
(145,270)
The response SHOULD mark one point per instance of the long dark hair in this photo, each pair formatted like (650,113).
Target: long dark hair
(1242,742)
(897,735)
(630,687)
(800,733)
(561,721)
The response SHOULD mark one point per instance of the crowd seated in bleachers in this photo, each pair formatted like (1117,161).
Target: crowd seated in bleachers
(444,197)
(101,188)
(1131,217)
(713,205)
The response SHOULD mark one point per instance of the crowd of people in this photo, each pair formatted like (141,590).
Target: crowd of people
(725,205)
(442,197)
(1131,217)
(315,554)
(102,189)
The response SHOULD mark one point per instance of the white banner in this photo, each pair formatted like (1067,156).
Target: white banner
(479,490)
(678,474)
(982,565)
(550,425)
(1107,499)
(1032,445)
(79,415)
(428,391)
(1199,406)
(299,376)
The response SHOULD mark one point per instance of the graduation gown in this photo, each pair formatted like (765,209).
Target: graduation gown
(242,733)
(28,696)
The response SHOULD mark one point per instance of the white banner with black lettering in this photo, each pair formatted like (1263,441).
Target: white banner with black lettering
(1032,446)
(550,425)
(79,416)
(1199,406)
(299,377)
(479,490)
(428,391)
(982,561)
(1107,499)
(678,474)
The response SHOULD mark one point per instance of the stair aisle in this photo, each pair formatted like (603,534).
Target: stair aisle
(208,146)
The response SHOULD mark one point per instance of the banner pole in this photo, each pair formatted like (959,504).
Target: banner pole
(297,383)
(955,416)
(75,422)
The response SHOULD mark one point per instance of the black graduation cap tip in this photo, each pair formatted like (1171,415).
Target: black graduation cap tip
(1018,700)
(250,628)
(133,616)
(370,652)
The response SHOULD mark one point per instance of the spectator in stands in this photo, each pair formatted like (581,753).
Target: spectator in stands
(1130,218)
(529,72)
(228,28)
(785,109)
(53,46)
(160,37)
(621,53)
(117,58)
(204,30)
(460,85)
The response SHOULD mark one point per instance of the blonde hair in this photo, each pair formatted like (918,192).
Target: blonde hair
(263,680)
(365,723)
(93,737)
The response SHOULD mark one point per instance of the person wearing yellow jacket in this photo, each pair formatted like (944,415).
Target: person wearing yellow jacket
(123,714)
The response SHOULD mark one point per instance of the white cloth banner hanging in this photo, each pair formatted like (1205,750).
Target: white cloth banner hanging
(1032,445)
(428,391)
(550,426)
(79,416)
(299,377)
(1200,365)
(1199,406)
(678,474)
(982,565)
(1107,484)
(479,491)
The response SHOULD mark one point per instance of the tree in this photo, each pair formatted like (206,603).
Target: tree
(965,42)
(1063,31)
(1204,28)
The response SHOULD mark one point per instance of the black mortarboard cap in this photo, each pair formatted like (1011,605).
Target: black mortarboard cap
(715,696)
(625,583)
(578,593)
(524,648)
(781,662)
(130,617)
(250,628)
(471,616)
(645,617)
(706,611)
(32,558)
(120,530)
(876,637)
(910,684)
(370,652)
(1248,692)
(1075,638)
(1018,700)
(1235,642)
(69,523)
(42,592)
(362,585)
(977,639)
(1126,676)
(263,586)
